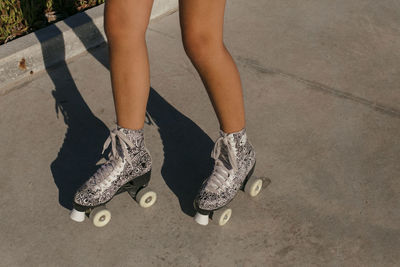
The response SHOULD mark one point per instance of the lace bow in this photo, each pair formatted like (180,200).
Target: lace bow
(124,142)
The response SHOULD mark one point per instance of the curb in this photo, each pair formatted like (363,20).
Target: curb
(59,42)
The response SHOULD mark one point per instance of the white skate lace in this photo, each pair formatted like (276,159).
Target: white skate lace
(114,156)
(220,175)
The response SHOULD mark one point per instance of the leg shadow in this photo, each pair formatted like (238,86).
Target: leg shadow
(87,39)
(81,149)
(187,150)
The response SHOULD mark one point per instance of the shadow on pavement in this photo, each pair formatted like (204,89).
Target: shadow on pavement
(83,141)
(187,150)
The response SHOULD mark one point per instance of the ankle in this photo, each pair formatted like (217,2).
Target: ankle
(134,135)
(235,132)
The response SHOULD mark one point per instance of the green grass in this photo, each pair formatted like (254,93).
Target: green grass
(18,17)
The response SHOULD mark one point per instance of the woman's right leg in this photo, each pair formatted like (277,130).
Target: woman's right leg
(129,163)
(125,24)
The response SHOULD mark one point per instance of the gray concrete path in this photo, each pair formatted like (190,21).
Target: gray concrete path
(321,81)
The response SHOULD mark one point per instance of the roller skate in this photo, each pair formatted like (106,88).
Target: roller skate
(127,169)
(235,161)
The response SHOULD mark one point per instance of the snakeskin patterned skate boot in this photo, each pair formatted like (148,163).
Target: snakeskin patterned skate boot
(128,169)
(234,165)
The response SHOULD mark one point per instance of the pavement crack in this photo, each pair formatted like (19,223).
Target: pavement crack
(393,112)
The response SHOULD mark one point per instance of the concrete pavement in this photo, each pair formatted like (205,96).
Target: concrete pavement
(321,83)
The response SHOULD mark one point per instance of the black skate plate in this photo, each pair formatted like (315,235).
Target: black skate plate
(132,187)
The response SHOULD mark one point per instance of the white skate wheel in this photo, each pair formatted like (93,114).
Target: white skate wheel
(100,216)
(253,186)
(78,216)
(146,198)
(201,219)
(222,216)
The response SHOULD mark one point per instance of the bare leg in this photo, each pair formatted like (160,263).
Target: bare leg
(202,35)
(125,25)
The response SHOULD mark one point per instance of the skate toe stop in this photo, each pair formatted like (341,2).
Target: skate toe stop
(78,216)
(201,219)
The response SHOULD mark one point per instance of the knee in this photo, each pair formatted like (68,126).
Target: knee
(118,27)
(198,44)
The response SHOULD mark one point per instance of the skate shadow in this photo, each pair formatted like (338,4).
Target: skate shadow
(187,150)
(85,134)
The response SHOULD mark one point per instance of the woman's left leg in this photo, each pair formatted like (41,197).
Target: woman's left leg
(202,35)
(202,30)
